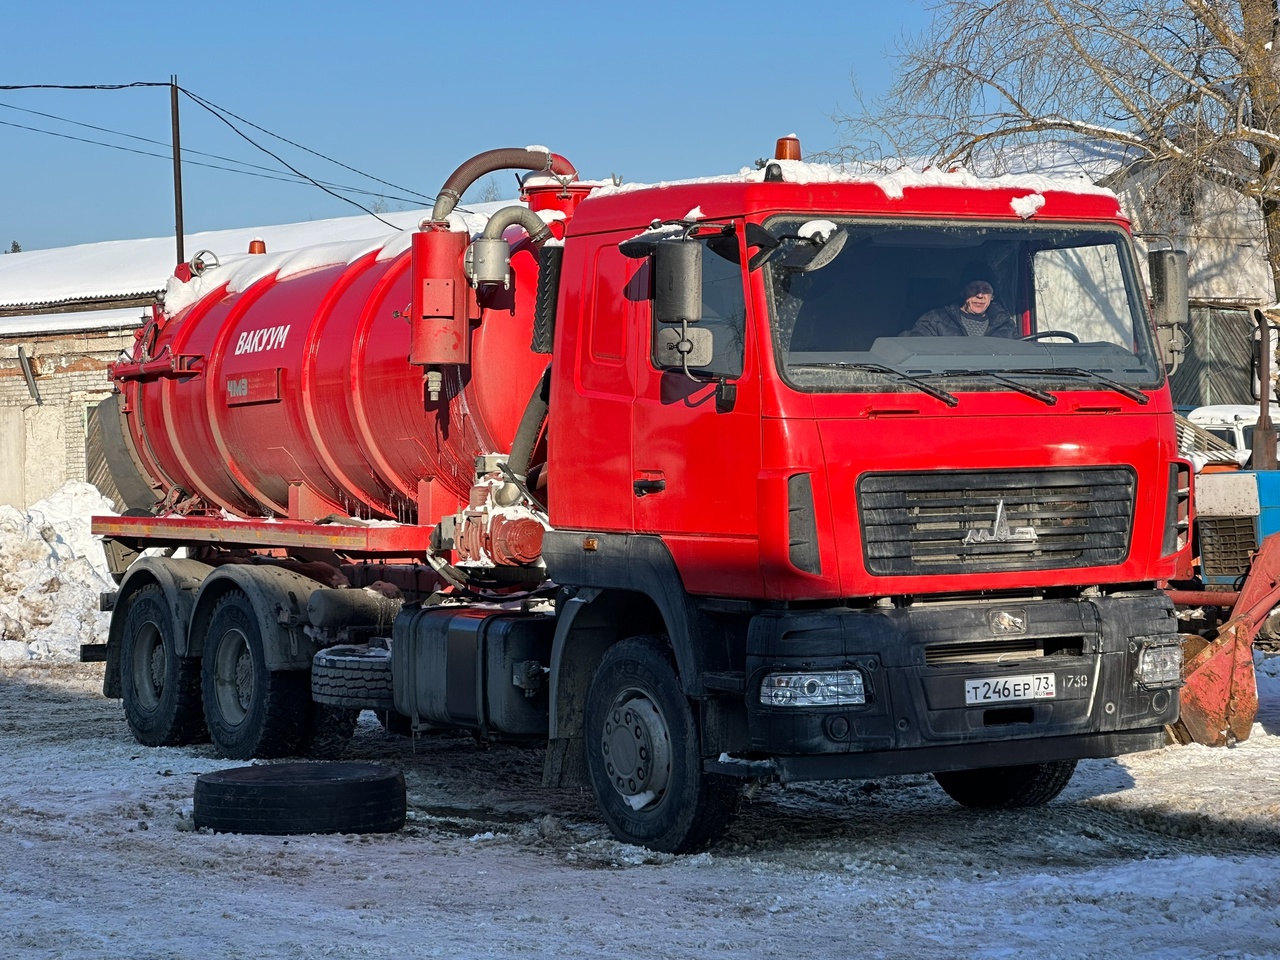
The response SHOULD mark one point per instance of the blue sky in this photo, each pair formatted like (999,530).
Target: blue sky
(405,91)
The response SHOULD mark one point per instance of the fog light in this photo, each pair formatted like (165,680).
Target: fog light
(828,689)
(1160,665)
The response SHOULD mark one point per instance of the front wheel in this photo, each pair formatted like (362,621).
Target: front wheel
(250,710)
(1003,788)
(642,754)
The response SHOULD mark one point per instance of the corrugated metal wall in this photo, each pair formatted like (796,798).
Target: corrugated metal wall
(1216,368)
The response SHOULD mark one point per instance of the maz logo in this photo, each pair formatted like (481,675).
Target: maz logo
(1000,531)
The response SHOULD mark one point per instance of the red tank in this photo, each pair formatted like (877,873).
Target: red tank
(288,388)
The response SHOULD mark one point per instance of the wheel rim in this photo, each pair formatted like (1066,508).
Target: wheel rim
(234,677)
(148,666)
(636,746)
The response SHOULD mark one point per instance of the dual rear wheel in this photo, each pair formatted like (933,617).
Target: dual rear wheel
(228,695)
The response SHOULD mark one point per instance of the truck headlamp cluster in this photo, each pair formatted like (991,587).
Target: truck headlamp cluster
(830,688)
(1159,664)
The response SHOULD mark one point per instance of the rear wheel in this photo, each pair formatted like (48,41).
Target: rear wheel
(250,710)
(1003,788)
(161,690)
(642,753)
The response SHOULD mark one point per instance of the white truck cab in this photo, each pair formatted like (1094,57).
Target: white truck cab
(1232,422)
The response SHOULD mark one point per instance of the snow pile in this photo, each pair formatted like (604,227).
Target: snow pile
(1027,206)
(51,573)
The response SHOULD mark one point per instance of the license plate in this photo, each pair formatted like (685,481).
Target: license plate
(1031,686)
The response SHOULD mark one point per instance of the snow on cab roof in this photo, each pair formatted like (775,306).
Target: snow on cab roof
(893,184)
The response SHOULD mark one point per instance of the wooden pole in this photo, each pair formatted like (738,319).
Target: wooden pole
(177,167)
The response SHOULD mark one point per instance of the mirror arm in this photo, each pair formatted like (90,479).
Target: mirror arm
(685,347)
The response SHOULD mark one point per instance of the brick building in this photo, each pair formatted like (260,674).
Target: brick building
(53,374)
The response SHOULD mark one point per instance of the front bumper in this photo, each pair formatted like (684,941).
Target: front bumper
(918,661)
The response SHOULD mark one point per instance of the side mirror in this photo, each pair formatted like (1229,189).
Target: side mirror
(677,281)
(1169,302)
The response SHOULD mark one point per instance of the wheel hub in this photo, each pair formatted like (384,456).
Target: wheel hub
(637,750)
(244,679)
(157,669)
(234,676)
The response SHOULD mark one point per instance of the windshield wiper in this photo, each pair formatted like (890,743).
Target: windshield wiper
(1044,397)
(1133,393)
(936,392)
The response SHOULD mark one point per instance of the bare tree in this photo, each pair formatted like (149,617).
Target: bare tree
(1191,84)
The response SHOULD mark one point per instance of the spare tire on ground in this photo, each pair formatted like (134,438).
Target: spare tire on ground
(293,798)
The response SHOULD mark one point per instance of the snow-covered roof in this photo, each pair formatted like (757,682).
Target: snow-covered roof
(45,324)
(240,270)
(118,269)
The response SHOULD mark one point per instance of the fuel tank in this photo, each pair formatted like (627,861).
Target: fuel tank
(281,385)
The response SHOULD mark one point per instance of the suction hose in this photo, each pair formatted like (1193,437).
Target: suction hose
(503,158)
(535,415)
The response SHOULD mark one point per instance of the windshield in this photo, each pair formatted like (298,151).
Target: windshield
(945,302)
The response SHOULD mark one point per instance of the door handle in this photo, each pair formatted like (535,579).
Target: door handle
(646,487)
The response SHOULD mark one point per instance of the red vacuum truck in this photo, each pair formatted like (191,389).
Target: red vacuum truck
(661,477)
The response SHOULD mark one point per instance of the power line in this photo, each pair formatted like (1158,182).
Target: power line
(81,86)
(268,173)
(240,133)
(129,136)
(210,105)
(218,112)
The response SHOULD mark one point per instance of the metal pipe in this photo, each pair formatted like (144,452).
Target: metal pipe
(1264,438)
(1203,598)
(27,372)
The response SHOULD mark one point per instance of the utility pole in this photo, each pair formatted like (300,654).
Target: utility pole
(177,166)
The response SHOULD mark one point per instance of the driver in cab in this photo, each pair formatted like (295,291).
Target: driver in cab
(977,314)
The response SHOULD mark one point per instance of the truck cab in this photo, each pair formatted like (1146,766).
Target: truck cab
(871,551)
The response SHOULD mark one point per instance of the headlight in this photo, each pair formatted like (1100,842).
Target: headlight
(1160,665)
(826,689)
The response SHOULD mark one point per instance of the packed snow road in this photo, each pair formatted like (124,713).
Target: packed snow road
(1174,853)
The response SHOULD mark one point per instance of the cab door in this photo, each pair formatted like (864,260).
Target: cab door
(696,442)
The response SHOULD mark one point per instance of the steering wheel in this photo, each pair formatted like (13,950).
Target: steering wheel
(1043,334)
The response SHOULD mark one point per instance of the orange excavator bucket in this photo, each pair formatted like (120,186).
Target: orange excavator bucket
(1219,699)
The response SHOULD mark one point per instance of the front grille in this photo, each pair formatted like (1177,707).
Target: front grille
(1001,520)
(1227,545)
(1002,651)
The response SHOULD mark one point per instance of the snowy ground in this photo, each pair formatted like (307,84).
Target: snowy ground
(1173,853)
